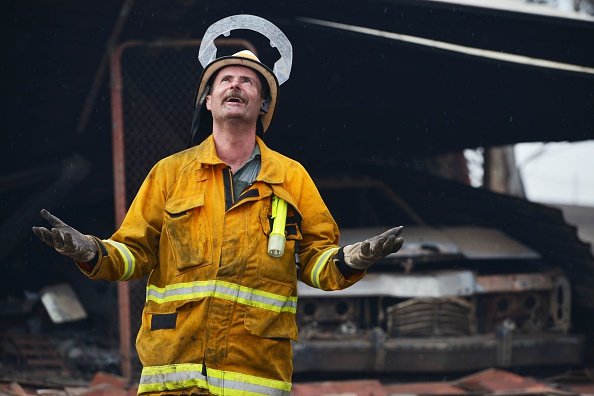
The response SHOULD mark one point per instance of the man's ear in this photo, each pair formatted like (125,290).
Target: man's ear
(208,102)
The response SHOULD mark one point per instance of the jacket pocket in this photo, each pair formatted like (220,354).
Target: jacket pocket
(186,225)
(267,324)
(165,337)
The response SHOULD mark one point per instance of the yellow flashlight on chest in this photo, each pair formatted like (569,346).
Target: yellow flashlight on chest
(276,240)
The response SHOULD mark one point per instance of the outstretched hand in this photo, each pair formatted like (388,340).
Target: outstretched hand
(362,254)
(65,239)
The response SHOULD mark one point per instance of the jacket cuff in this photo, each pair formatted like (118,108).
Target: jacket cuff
(344,269)
(89,266)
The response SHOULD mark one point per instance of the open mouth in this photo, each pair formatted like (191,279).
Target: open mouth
(233,99)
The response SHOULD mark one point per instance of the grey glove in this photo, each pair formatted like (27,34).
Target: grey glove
(65,239)
(362,254)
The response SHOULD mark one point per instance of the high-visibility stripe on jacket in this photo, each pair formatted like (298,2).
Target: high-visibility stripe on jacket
(127,258)
(319,266)
(224,290)
(214,296)
(159,379)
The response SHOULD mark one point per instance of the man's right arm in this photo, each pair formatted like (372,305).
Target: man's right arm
(131,252)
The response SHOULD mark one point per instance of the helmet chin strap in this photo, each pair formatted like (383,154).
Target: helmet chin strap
(196,119)
(263,110)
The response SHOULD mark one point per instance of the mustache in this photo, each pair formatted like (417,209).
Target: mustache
(234,94)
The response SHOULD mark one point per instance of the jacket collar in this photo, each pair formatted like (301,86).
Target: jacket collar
(207,153)
(273,170)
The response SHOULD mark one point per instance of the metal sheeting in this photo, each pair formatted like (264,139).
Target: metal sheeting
(447,205)
(478,243)
(444,284)
(470,242)
(541,228)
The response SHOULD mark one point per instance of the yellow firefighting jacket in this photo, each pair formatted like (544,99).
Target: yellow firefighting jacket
(220,311)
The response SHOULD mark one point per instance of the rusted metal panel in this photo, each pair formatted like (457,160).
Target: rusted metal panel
(513,282)
(582,389)
(526,312)
(344,388)
(425,388)
(495,380)
(579,381)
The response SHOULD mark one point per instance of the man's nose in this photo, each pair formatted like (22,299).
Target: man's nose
(234,84)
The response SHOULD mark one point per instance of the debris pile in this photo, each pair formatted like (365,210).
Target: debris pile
(47,340)
(103,384)
(490,382)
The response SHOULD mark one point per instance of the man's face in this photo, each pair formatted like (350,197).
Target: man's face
(235,94)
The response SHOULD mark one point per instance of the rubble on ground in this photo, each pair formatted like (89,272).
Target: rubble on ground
(102,384)
(490,382)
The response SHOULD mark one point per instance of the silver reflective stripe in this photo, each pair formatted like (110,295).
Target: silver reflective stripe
(319,265)
(224,290)
(127,256)
(171,377)
(188,375)
(229,386)
(232,383)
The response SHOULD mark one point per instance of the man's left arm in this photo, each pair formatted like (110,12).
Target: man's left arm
(359,256)
(324,263)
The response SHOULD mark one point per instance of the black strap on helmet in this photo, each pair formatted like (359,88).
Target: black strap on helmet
(198,122)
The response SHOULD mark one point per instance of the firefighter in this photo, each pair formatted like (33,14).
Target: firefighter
(220,310)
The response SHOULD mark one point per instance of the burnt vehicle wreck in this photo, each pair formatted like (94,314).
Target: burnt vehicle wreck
(460,312)
(456,297)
